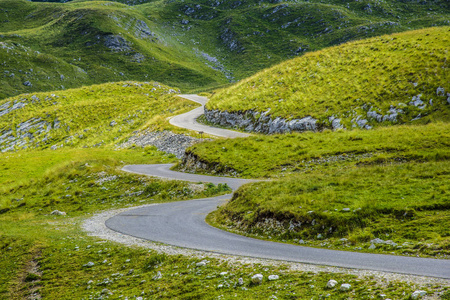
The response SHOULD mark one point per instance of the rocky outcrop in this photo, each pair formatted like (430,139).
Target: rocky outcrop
(260,122)
(166,141)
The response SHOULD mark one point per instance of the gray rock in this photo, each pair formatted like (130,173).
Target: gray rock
(335,123)
(166,141)
(257,279)
(113,123)
(202,263)
(440,91)
(27,83)
(274,277)
(116,43)
(240,281)
(58,213)
(372,247)
(259,122)
(377,241)
(416,101)
(345,287)
(361,123)
(418,294)
(89,264)
(157,276)
(331,283)
(346,209)
(106,292)
(374,115)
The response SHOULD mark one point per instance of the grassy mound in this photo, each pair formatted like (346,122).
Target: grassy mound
(342,189)
(405,206)
(282,155)
(392,79)
(89,116)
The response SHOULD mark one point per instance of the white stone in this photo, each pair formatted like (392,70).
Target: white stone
(257,279)
(274,277)
(331,283)
(240,281)
(89,264)
(418,294)
(345,287)
(58,213)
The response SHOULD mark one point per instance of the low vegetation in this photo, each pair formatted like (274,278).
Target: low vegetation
(403,76)
(396,208)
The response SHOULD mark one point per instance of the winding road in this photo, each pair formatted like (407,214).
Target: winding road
(183,224)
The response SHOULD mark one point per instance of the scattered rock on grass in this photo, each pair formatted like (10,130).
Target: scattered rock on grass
(418,294)
(345,287)
(331,283)
(58,213)
(257,279)
(274,277)
(89,264)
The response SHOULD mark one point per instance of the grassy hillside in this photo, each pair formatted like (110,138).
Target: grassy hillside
(192,45)
(249,35)
(393,79)
(91,116)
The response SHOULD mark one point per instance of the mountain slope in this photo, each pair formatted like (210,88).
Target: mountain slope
(74,44)
(193,45)
(392,79)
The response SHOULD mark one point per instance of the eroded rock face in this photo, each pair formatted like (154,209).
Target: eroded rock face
(116,43)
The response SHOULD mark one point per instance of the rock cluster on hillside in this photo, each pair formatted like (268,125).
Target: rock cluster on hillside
(166,141)
(363,117)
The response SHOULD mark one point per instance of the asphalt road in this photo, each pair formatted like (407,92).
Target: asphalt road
(183,224)
(188,120)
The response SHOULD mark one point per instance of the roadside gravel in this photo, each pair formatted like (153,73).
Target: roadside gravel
(95,226)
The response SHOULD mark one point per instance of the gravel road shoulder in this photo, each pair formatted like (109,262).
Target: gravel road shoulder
(95,226)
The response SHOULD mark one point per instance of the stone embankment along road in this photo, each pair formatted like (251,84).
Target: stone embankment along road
(188,120)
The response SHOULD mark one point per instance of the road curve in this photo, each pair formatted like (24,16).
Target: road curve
(188,120)
(183,224)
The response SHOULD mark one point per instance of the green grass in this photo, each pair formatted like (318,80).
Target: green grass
(130,272)
(81,182)
(349,80)
(282,155)
(91,116)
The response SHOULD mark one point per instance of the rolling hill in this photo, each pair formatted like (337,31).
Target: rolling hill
(392,79)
